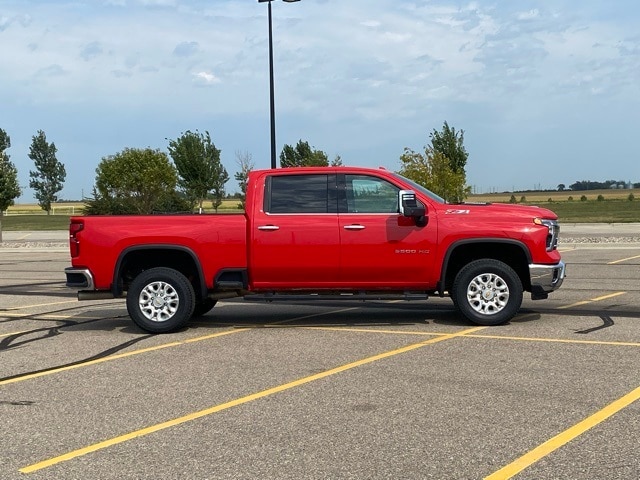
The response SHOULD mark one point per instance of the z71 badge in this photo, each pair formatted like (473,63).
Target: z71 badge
(454,211)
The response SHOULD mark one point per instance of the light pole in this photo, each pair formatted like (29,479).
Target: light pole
(272,111)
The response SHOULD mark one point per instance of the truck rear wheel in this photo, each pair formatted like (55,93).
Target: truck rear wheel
(160,300)
(487,292)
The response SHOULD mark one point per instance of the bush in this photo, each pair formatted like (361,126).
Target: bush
(631,197)
(550,200)
(583,198)
(523,199)
(570,199)
(600,198)
(512,199)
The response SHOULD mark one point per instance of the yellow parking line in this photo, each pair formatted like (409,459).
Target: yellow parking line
(597,299)
(239,401)
(118,356)
(623,260)
(565,437)
(75,300)
(12,333)
(557,340)
(150,349)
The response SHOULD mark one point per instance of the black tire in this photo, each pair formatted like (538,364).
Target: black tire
(203,307)
(160,300)
(487,292)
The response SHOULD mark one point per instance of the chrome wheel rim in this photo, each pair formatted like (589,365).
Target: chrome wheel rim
(158,301)
(488,294)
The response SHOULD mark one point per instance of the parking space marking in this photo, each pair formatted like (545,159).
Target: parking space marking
(565,437)
(75,300)
(118,356)
(558,340)
(239,401)
(623,260)
(597,299)
(12,333)
(155,348)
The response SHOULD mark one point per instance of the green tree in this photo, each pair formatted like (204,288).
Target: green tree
(450,144)
(9,186)
(245,165)
(48,178)
(136,181)
(337,161)
(303,155)
(433,170)
(199,168)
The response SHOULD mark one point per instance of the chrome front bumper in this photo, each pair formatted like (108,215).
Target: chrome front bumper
(545,279)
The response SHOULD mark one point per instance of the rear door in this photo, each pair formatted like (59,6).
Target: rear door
(294,239)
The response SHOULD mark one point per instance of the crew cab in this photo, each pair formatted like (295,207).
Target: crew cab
(317,233)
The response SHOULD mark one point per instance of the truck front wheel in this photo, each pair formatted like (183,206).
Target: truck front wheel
(487,292)
(160,300)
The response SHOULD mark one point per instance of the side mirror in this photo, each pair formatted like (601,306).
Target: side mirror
(411,207)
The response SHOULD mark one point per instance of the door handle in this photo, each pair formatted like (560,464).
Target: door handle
(268,227)
(354,227)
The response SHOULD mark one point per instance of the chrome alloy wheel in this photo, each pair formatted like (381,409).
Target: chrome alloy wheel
(488,294)
(158,301)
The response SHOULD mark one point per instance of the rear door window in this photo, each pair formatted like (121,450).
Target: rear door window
(301,194)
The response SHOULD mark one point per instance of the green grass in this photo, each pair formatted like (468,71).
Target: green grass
(34,222)
(607,211)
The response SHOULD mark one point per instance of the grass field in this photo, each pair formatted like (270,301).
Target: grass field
(614,208)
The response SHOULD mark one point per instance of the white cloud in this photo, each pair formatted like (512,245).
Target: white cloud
(206,78)
(528,15)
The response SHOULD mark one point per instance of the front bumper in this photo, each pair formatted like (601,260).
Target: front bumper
(545,279)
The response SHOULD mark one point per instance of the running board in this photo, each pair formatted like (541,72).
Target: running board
(362,296)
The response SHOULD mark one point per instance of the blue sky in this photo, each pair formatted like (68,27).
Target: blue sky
(547,92)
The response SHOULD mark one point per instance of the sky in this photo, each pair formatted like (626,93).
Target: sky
(546,92)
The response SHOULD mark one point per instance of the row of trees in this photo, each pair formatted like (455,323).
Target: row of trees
(590,185)
(141,181)
(440,167)
(46,180)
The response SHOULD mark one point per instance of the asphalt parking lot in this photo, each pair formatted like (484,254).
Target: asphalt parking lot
(322,390)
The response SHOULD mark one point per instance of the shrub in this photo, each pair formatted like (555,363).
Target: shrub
(600,198)
(583,198)
(512,199)
(570,198)
(631,197)
(523,199)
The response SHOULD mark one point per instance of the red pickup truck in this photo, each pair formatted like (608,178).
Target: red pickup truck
(319,233)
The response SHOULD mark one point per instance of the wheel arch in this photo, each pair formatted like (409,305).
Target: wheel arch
(136,259)
(512,252)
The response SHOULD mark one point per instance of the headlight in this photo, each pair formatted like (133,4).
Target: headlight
(554,231)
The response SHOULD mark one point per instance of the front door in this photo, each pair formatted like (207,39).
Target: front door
(379,247)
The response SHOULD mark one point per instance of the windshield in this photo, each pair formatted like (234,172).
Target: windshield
(421,189)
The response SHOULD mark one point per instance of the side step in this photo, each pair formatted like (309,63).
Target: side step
(350,296)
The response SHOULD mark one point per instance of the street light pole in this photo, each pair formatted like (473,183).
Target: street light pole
(272,102)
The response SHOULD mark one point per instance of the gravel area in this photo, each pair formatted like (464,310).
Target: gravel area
(42,245)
